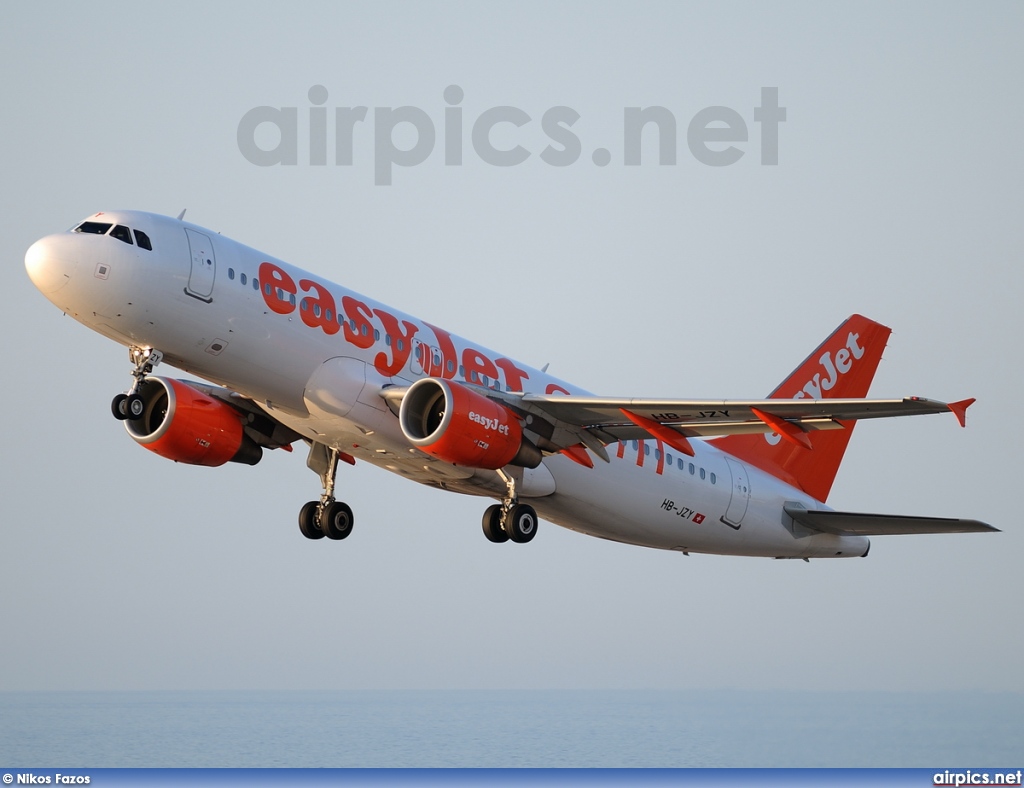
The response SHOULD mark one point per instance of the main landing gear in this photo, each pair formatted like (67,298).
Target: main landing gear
(326,517)
(131,405)
(510,519)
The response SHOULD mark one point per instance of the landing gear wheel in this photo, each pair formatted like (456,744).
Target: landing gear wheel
(307,521)
(134,405)
(521,523)
(336,520)
(492,524)
(119,407)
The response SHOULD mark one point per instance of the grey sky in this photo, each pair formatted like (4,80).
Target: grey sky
(897,194)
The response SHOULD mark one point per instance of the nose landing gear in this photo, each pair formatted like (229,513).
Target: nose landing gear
(131,405)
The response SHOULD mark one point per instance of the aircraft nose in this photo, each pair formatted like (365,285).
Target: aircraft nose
(49,263)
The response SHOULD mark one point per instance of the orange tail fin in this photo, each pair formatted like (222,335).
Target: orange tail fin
(841,367)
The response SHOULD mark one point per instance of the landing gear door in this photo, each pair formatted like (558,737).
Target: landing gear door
(739,495)
(204,266)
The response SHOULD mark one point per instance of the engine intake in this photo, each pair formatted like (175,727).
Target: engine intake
(453,423)
(185,425)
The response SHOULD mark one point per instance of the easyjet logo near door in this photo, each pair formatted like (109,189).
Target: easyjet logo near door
(358,323)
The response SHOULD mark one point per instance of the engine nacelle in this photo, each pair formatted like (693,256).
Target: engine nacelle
(453,423)
(185,425)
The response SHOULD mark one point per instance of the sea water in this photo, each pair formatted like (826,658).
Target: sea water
(533,728)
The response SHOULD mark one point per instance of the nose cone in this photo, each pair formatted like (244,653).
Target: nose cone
(50,263)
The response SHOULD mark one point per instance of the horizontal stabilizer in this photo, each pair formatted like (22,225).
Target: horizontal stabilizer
(856,524)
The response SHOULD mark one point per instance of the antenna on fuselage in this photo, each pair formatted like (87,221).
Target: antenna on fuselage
(545,367)
(182,214)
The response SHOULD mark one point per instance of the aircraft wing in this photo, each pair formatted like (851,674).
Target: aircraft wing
(707,418)
(595,421)
(563,422)
(856,524)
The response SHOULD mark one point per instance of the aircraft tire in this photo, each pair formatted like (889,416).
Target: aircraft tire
(492,524)
(336,520)
(118,407)
(134,406)
(307,521)
(522,523)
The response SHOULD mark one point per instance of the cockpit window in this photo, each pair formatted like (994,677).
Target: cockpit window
(96,228)
(143,240)
(122,233)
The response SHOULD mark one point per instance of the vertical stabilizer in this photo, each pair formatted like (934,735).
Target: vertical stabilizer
(841,367)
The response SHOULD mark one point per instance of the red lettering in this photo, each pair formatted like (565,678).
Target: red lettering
(551,388)
(640,453)
(359,313)
(622,450)
(273,280)
(477,365)
(514,376)
(449,358)
(660,451)
(319,311)
(401,344)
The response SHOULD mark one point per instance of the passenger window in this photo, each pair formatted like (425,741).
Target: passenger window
(713,480)
(680,463)
(376,335)
(702,473)
(451,365)
(634,445)
(242,279)
(316,313)
(93,228)
(303,305)
(231,273)
(647,450)
(255,284)
(692,469)
(123,234)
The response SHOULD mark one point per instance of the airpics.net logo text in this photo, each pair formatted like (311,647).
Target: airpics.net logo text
(407,136)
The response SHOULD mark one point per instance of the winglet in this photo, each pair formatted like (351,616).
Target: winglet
(787,430)
(960,409)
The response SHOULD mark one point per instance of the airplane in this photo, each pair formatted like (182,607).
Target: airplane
(290,359)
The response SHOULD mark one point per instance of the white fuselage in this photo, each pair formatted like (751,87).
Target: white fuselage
(316,356)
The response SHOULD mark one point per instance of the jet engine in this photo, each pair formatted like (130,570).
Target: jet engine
(185,425)
(453,423)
